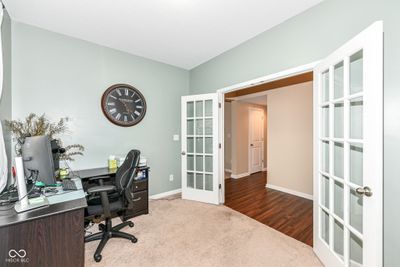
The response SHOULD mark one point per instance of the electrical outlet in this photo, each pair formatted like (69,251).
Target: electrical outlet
(171,177)
(176,137)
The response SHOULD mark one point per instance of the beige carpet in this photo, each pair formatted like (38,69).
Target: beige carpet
(185,233)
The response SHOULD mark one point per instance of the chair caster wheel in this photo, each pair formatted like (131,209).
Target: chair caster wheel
(134,240)
(97,258)
(101,227)
(131,224)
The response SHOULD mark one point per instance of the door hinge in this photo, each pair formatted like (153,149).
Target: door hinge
(219,145)
(219,105)
(219,186)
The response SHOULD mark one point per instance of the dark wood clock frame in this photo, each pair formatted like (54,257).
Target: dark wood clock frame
(113,120)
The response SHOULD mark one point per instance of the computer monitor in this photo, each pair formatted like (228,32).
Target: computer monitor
(38,159)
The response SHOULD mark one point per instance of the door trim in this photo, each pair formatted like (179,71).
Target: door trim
(257,81)
(249,143)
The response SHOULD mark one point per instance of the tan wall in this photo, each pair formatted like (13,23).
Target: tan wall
(289,138)
(228,136)
(240,136)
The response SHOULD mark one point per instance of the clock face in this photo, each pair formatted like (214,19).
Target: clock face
(123,105)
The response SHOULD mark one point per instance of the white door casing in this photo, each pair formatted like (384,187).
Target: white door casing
(256,139)
(348,152)
(200,148)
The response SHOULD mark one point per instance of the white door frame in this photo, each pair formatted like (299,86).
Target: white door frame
(261,80)
(249,141)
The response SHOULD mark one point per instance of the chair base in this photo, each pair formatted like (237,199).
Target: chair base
(107,232)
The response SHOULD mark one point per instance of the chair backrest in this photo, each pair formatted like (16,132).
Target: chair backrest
(127,171)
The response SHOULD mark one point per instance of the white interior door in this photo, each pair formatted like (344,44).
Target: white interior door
(256,139)
(348,155)
(200,153)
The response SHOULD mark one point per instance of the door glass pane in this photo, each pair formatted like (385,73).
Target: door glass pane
(356,118)
(190,109)
(199,144)
(208,163)
(199,181)
(325,86)
(190,163)
(325,121)
(208,108)
(190,145)
(338,199)
(356,164)
(325,156)
(338,233)
(338,159)
(208,182)
(325,226)
(356,72)
(199,163)
(199,126)
(338,82)
(208,145)
(325,191)
(208,126)
(199,108)
(190,127)
(356,211)
(190,179)
(338,120)
(356,251)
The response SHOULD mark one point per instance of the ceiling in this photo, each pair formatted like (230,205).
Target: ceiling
(258,100)
(183,33)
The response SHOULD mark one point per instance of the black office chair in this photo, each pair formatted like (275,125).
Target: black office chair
(114,199)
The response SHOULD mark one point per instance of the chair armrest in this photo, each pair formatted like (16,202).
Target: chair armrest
(101,188)
(99,178)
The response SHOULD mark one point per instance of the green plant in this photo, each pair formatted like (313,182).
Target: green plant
(34,125)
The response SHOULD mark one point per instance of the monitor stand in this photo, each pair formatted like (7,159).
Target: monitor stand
(25,204)
(33,203)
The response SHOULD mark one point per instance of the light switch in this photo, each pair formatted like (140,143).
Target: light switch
(176,137)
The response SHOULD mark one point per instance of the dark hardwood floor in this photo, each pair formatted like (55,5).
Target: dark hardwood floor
(286,213)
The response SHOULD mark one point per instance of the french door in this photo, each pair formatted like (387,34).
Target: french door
(200,147)
(348,155)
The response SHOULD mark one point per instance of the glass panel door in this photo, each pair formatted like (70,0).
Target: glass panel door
(348,142)
(200,148)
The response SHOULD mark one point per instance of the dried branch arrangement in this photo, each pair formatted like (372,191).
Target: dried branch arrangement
(34,125)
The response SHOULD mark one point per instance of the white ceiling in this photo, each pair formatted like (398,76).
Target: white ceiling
(183,33)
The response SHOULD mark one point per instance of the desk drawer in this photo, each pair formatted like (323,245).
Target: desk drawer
(139,185)
(140,201)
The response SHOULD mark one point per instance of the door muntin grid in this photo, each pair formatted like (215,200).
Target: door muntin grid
(199,145)
(340,130)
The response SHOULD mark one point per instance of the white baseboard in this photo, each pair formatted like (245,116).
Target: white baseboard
(240,175)
(289,191)
(228,170)
(166,194)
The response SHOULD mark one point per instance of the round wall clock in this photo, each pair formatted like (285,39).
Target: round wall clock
(123,105)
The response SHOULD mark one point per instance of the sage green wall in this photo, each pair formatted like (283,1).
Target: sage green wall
(311,36)
(5,101)
(62,76)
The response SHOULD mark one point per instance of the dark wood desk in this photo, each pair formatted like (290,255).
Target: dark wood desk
(48,236)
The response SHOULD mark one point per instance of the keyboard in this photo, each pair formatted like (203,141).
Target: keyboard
(68,184)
